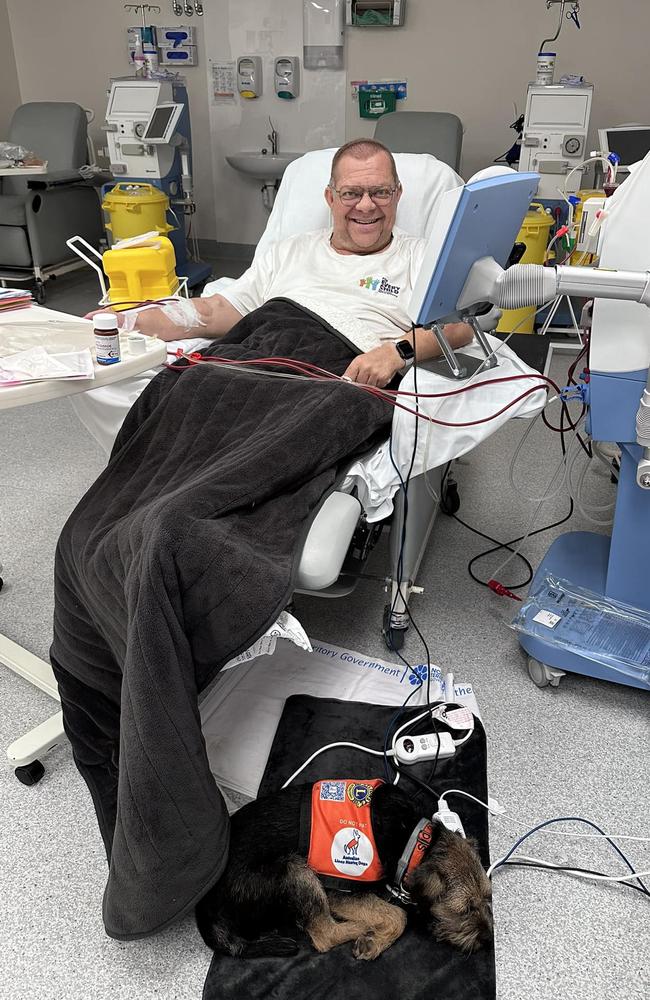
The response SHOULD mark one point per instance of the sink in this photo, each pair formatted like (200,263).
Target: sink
(265,166)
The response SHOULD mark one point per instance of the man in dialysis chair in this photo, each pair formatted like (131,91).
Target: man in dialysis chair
(358,275)
(183,552)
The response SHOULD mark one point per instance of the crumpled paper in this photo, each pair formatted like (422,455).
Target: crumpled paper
(285,627)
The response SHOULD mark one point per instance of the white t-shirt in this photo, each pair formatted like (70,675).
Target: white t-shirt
(364,296)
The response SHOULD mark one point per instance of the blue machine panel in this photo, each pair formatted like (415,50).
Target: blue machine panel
(486,221)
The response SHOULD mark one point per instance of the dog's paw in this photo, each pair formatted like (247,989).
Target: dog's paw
(366,946)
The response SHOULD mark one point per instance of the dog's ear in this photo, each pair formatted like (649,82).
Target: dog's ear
(426,883)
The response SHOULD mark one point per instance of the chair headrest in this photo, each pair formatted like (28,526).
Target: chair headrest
(54,130)
(300,204)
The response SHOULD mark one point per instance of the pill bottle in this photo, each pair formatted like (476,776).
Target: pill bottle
(107,338)
(545,68)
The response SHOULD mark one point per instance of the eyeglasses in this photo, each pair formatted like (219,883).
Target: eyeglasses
(380,195)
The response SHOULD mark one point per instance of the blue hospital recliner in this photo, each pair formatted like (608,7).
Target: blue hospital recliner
(38,214)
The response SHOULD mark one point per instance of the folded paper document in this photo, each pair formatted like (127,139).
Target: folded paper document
(36,364)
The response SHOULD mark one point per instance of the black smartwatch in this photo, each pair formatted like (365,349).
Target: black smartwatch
(405,350)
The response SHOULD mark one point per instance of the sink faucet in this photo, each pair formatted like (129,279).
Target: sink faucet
(273,139)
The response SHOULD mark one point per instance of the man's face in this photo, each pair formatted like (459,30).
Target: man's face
(364,227)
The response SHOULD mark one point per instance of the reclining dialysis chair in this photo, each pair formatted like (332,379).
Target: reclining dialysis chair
(349,519)
(38,214)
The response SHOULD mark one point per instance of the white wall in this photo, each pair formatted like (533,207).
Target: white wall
(475,58)
(314,120)
(9,89)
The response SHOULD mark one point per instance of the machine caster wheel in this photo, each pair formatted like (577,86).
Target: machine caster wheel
(543,675)
(393,637)
(39,292)
(30,774)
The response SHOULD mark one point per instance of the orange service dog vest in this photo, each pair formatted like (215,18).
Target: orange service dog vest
(341,841)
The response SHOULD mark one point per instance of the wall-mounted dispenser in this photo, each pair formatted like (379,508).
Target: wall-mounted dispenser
(375,13)
(322,22)
(249,76)
(287,76)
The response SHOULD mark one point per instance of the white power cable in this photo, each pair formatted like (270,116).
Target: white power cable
(330,746)
(572,871)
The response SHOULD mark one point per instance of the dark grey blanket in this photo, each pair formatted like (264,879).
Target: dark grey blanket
(180,556)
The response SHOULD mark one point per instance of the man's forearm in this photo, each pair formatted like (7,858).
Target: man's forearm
(427,346)
(213,316)
(217,316)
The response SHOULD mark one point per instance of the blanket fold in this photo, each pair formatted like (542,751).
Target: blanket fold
(179,557)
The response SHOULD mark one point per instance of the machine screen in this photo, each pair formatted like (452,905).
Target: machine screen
(630,144)
(133,100)
(558,110)
(160,120)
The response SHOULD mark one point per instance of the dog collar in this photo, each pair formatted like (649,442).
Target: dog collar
(411,857)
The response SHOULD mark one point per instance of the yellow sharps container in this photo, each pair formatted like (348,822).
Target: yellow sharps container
(141,272)
(134,208)
(534,233)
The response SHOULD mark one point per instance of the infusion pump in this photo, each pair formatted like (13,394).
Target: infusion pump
(141,127)
(554,137)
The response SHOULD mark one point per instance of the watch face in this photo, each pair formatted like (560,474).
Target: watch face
(404,349)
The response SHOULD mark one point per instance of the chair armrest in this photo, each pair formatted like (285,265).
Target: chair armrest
(327,542)
(55,178)
(56,214)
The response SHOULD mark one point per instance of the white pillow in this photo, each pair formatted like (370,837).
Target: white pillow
(300,204)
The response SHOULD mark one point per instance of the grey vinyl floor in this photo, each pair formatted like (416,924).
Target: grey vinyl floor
(578,750)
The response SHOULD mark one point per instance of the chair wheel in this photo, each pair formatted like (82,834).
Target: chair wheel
(39,292)
(393,637)
(30,774)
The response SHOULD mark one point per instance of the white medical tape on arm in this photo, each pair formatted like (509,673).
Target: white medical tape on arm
(183,313)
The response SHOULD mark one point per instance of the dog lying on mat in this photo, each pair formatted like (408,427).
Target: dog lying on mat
(288,851)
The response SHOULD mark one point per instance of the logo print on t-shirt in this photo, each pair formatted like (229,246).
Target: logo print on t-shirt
(379,285)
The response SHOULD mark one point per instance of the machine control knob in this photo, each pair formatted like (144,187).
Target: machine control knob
(139,128)
(644,481)
(572,145)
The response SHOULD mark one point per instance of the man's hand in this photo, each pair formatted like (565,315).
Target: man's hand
(376,367)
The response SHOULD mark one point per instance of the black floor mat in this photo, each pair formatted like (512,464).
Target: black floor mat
(416,967)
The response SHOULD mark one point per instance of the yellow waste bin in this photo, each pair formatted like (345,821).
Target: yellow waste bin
(136,208)
(534,233)
(142,272)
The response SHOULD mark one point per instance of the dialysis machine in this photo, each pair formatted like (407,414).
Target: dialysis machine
(554,137)
(149,140)
(588,608)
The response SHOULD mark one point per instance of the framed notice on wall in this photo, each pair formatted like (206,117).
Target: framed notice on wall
(223,81)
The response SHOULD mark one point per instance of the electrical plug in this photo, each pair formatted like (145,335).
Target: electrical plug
(449,819)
